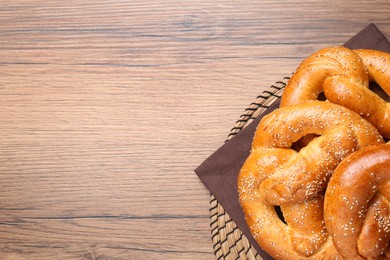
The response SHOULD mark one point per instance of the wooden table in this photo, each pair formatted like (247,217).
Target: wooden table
(107,107)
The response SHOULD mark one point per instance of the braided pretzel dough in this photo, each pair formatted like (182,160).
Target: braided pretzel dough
(308,79)
(343,75)
(357,204)
(281,129)
(262,219)
(275,174)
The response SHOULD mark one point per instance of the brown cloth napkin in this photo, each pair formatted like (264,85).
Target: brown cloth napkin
(219,171)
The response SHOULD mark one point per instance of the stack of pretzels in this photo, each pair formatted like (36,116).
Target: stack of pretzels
(316,184)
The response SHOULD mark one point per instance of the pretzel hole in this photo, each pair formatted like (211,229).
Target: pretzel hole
(280,214)
(379,91)
(321,97)
(382,94)
(303,142)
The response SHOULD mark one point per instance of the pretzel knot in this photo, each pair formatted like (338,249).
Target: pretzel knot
(343,76)
(357,205)
(276,175)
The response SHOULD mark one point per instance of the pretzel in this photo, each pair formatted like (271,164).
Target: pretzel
(281,129)
(275,174)
(262,219)
(357,204)
(343,75)
(308,79)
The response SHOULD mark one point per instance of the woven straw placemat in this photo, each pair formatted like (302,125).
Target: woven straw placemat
(228,240)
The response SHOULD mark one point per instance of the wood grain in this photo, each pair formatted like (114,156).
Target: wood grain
(107,107)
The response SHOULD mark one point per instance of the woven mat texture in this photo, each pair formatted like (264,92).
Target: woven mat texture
(228,241)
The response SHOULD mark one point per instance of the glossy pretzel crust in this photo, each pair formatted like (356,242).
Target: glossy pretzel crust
(275,174)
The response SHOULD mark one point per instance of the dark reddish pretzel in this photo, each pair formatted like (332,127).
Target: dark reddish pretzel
(343,75)
(357,209)
(275,174)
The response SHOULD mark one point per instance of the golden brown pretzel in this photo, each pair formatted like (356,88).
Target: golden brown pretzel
(275,174)
(282,128)
(357,209)
(352,94)
(343,75)
(308,79)
(262,219)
